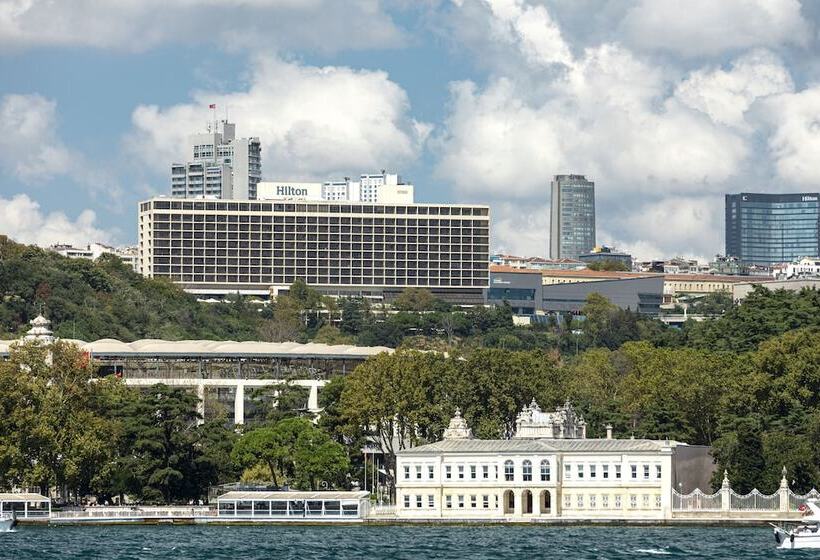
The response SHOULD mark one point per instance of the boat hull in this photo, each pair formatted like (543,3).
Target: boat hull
(790,540)
(6,524)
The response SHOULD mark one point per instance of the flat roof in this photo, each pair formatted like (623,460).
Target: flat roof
(499,268)
(707,278)
(218,348)
(323,495)
(333,202)
(603,274)
(23,497)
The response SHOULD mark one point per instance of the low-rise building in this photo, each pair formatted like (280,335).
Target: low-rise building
(93,251)
(807,267)
(676,286)
(743,289)
(566,291)
(549,469)
(536,263)
(602,253)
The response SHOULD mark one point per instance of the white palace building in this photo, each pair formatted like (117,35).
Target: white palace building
(548,470)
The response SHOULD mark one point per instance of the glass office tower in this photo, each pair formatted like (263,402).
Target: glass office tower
(572,216)
(766,229)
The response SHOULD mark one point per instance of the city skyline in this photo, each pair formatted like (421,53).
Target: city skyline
(476,102)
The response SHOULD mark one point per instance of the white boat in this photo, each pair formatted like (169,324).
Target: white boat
(804,535)
(7,522)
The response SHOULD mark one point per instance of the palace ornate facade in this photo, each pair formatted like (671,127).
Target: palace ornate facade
(549,469)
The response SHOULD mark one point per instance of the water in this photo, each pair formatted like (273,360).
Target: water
(388,542)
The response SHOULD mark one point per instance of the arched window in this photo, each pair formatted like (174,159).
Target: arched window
(509,470)
(526,471)
(545,470)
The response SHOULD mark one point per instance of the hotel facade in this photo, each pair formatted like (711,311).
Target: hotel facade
(213,247)
(548,470)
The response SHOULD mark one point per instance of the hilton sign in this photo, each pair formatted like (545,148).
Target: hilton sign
(287,190)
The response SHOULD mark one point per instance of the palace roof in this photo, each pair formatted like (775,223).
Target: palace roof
(494,446)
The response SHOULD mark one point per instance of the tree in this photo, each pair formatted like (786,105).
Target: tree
(415,299)
(606,324)
(161,444)
(318,458)
(53,433)
(715,303)
(762,315)
(609,264)
(328,334)
(355,315)
(262,445)
(396,399)
(285,324)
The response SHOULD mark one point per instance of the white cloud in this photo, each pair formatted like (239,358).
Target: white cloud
(32,151)
(313,122)
(709,27)
(610,116)
(726,95)
(530,28)
(520,231)
(139,25)
(692,224)
(22,219)
(617,118)
(794,142)
(30,148)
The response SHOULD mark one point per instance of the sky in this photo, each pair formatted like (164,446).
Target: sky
(666,105)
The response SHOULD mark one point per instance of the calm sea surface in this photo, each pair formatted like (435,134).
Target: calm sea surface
(383,542)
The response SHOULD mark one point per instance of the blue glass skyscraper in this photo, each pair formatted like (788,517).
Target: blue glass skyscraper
(765,229)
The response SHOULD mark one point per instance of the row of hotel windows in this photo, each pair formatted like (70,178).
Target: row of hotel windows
(258,256)
(242,220)
(325,280)
(321,208)
(581,470)
(591,501)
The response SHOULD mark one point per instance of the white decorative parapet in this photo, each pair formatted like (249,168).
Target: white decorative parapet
(730,504)
(696,501)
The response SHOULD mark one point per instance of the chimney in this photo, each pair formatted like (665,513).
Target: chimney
(609,431)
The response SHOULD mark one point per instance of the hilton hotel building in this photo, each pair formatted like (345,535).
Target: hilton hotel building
(375,250)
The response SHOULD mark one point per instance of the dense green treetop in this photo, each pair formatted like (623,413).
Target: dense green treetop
(105,299)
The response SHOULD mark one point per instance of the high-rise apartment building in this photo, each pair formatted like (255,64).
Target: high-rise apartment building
(221,166)
(765,229)
(572,216)
(379,188)
(375,250)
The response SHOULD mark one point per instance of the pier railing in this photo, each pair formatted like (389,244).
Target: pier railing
(136,512)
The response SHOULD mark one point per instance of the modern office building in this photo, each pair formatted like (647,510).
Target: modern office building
(765,229)
(385,188)
(549,469)
(214,247)
(572,216)
(536,292)
(221,166)
(603,254)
